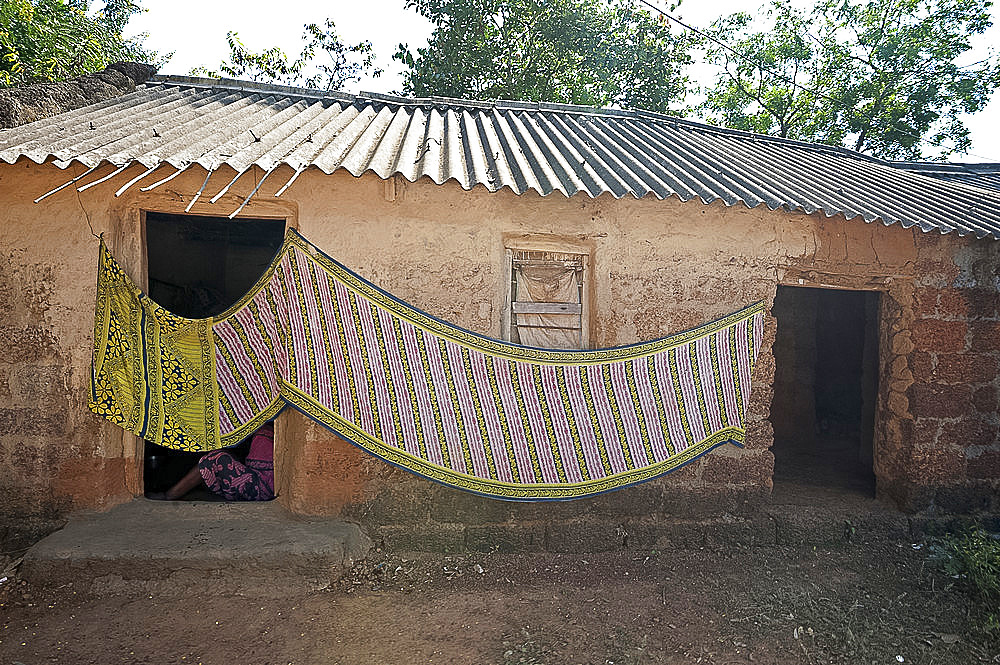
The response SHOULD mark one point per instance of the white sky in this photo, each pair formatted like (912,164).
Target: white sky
(196,31)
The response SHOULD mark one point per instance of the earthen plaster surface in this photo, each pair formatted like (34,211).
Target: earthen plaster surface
(657,267)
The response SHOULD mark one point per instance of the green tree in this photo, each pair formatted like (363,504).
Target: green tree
(325,62)
(53,40)
(588,52)
(877,76)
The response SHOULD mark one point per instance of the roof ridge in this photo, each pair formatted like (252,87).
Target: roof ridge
(509,105)
(974,168)
(767,138)
(365,96)
(248,86)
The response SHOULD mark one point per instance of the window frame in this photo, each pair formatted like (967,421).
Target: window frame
(552,246)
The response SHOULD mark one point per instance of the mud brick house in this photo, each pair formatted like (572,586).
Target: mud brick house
(878,373)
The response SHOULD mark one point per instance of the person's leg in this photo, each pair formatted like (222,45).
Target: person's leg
(191,480)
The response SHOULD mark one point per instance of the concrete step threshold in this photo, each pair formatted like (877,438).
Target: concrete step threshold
(167,547)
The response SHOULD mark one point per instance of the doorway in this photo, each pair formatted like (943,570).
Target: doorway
(199,267)
(825,391)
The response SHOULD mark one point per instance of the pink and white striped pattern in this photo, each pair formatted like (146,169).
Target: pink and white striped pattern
(463,409)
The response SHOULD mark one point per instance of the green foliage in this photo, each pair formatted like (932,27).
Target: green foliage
(975,558)
(878,76)
(341,63)
(766,92)
(587,52)
(53,40)
(269,65)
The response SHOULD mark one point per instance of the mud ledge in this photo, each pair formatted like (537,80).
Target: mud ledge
(19,106)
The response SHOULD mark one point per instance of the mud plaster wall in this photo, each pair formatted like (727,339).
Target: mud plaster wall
(658,267)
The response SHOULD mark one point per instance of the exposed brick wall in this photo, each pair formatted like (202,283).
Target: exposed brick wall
(953,359)
(413,514)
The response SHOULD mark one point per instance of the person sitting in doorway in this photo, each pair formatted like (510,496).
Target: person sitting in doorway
(225,475)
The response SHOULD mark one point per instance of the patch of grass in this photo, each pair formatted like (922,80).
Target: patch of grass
(870,604)
(974,557)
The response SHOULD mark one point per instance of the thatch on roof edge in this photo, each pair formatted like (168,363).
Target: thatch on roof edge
(24,104)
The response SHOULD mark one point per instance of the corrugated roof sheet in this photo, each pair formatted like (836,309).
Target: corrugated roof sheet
(544,147)
(985,176)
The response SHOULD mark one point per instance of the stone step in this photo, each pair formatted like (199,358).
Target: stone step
(171,547)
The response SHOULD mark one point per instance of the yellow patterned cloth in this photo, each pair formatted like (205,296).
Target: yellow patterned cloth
(479,414)
(153,372)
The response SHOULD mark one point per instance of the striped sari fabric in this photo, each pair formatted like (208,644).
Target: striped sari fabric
(479,414)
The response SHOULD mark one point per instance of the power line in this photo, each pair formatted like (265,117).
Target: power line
(760,65)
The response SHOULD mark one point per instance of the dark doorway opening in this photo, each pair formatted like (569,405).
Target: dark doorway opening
(199,267)
(825,388)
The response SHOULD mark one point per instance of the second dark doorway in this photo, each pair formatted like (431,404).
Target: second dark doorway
(825,388)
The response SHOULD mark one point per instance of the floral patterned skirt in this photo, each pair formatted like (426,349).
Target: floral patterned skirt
(235,480)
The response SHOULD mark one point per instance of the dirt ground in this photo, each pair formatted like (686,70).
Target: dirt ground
(885,603)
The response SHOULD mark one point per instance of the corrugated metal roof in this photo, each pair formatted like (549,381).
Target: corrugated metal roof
(985,176)
(544,147)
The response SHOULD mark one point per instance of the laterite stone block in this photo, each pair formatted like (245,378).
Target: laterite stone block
(925,301)
(426,538)
(638,501)
(982,303)
(937,464)
(966,368)
(925,432)
(964,499)
(954,303)
(985,466)
(451,505)
(933,400)
(505,538)
(985,399)
(585,536)
(985,336)
(965,432)
(921,365)
(750,469)
(940,336)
